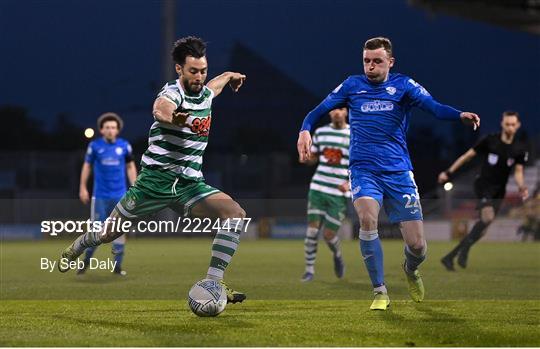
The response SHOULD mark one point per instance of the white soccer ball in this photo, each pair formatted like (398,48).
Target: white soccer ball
(207,298)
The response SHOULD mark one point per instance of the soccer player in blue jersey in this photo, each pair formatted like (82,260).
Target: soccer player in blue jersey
(110,157)
(379,105)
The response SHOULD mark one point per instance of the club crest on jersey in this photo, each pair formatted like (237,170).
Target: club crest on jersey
(130,204)
(118,150)
(391,90)
(377,106)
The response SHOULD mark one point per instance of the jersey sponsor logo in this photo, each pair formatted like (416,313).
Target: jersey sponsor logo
(492,159)
(391,90)
(110,162)
(119,150)
(377,106)
(201,126)
(510,162)
(333,155)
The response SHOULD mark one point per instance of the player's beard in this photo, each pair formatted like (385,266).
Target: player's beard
(191,88)
(195,89)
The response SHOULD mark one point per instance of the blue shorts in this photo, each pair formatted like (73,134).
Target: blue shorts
(100,209)
(395,191)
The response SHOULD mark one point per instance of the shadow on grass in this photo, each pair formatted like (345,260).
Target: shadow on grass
(175,324)
(419,332)
(441,328)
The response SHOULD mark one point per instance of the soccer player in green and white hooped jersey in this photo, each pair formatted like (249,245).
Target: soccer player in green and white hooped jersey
(328,191)
(171,166)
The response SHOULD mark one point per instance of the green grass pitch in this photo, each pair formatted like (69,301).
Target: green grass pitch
(495,302)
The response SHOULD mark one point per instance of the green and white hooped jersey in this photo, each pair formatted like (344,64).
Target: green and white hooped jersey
(179,150)
(332,145)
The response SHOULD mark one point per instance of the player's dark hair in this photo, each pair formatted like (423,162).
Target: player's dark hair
(109,116)
(188,46)
(378,42)
(511,113)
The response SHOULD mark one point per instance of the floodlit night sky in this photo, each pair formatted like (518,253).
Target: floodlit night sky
(86,57)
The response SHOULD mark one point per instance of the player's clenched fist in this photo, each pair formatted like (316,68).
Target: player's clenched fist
(304,146)
(443,177)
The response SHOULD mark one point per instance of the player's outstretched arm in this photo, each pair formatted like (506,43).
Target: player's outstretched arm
(336,98)
(421,98)
(165,111)
(446,176)
(235,80)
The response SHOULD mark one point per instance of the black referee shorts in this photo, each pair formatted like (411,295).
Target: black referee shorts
(489,194)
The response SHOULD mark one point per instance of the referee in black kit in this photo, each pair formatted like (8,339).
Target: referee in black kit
(499,153)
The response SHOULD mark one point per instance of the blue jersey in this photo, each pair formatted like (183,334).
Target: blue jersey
(379,118)
(109,164)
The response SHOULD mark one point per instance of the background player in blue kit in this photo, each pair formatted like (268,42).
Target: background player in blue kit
(110,157)
(380,168)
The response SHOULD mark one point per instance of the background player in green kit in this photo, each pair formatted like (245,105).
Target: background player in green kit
(329,190)
(171,166)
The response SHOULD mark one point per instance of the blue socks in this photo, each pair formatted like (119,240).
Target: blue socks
(370,246)
(89,253)
(118,252)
